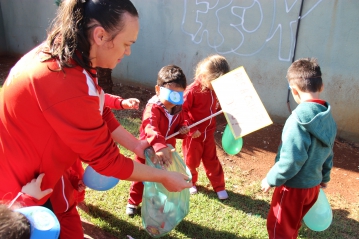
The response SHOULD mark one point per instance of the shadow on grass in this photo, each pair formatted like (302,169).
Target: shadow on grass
(240,202)
(121,228)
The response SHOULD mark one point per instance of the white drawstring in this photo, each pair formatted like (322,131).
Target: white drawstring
(14,200)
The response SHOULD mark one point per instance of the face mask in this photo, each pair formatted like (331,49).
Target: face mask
(44,223)
(175,97)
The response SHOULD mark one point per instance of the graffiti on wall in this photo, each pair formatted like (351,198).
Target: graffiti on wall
(244,27)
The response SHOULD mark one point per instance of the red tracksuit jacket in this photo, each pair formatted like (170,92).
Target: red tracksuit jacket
(198,105)
(48,119)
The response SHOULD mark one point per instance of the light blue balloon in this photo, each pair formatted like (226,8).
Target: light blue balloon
(96,181)
(320,215)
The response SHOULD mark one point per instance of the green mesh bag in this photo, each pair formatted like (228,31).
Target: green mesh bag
(162,210)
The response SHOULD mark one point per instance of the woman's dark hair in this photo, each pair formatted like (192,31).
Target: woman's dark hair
(14,225)
(68,37)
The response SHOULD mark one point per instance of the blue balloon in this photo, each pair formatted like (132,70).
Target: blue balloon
(320,215)
(96,181)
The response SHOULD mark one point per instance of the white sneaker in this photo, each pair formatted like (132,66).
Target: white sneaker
(131,210)
(193,190)
(222,194)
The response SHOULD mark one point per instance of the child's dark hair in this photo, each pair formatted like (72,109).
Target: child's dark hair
(305,73)
(74,23)
(173,75)
(14,225)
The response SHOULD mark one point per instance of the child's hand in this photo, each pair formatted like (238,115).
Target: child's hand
(81,186)
(323,185)
(130,103)
(196,134)
(152,155)
(183,130)
(33,188)
(265,186)
(165,156)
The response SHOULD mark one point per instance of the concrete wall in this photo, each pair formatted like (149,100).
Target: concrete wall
(3,49)
(258,34)
(25,23)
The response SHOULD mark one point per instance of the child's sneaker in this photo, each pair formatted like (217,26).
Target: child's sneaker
(131,210)
(193,190)
(222,194)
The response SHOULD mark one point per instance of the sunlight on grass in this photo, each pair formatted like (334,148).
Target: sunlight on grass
(243,215)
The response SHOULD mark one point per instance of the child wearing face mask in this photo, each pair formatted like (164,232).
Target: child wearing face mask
(161,118)
(200,101)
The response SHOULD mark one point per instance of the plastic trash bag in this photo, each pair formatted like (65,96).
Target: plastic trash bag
(162,210)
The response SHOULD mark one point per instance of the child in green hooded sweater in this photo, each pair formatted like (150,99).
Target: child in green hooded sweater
(305,156)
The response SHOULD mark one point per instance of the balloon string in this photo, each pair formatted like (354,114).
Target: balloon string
(197,123)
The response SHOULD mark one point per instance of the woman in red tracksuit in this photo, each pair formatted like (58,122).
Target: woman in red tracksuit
(201,101)
(70,189)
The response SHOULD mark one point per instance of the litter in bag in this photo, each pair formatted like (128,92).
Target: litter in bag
(162,210)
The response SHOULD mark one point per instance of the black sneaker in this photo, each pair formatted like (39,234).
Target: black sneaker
(131,210)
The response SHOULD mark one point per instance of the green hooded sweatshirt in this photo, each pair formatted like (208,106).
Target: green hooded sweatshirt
(305,156)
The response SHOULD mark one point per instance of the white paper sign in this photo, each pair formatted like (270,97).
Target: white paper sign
(240,103)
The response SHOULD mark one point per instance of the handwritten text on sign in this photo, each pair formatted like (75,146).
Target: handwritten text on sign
(240,103)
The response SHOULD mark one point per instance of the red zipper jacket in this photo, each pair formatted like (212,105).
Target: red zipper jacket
(155,126)
(48,119)
(198,105)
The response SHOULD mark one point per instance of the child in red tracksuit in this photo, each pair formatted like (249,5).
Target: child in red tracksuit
(69,192)
(200,101)
(161,118)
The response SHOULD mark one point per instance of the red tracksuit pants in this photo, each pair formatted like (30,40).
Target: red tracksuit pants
(287,209)
(203,149)
(70,223)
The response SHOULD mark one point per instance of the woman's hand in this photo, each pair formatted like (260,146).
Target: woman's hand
(140,147)
(176,182)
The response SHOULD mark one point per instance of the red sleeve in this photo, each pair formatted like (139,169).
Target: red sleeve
(150,122)
(110,119)
(26,200)
(187,105)
(113,101)
(80,118)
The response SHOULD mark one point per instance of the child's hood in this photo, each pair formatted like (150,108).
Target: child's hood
(317,120)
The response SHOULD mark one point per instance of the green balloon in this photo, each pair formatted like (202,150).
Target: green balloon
(320,215)
(231,145)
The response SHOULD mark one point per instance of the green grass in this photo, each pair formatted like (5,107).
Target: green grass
(242,216)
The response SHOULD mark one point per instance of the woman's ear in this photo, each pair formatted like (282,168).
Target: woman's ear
(99,35)
(321,88)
